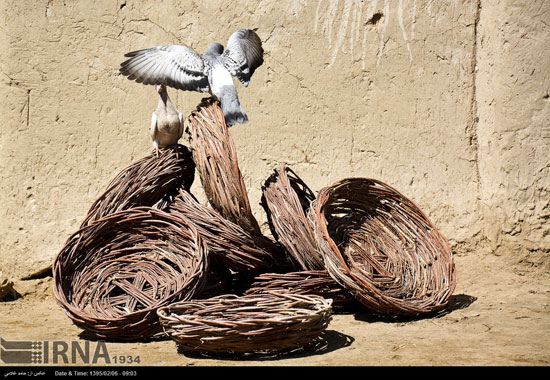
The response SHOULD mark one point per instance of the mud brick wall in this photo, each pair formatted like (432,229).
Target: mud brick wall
(448,101)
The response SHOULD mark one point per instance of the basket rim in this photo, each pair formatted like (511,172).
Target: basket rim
(227,301)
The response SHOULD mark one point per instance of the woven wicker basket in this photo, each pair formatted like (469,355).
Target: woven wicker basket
(286,200)
(238,249)
(216,158)
(381,247)
(113,274)
(150,181)
(265,323)
(316,282)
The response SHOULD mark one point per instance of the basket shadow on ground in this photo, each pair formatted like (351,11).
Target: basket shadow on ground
(328,341)
(456,302)
(87,335)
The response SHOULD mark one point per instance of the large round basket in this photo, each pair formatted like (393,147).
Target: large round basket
(215,155)
(286,200)
(264,323)
(231,245)
(149,181)
(316,282)
(382,248)
(113,274)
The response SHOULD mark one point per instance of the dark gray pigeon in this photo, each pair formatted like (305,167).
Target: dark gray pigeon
(181,68)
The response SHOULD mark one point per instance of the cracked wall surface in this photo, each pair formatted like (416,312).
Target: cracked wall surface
(415,93)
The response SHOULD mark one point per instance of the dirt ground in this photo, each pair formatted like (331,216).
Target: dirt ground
(499,315)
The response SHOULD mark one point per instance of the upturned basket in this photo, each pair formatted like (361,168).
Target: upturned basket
(149,181)
(286,200)
(228,325)
(215,155)
(316,282)
(113,274)
(381,247)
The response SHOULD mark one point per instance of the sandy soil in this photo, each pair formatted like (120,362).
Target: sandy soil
(498,315)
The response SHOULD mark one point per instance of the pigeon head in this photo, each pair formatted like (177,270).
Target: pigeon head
(163,94)
(161,89)
(214,49)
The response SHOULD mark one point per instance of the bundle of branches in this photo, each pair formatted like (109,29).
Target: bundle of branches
(215,155)
(113,274)
(148,249)
(382,248)
(270,322)
(150,181)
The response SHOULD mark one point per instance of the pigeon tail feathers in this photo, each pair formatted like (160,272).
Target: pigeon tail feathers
(232,110)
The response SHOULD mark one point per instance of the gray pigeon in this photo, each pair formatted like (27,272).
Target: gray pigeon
(166,122)
(181,68)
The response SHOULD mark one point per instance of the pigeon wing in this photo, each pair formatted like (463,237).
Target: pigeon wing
(243,54)
(171,65)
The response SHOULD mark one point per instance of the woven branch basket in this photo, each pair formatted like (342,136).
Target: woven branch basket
(265,323)
(313,282)
(113,274)
(381,247)
(235,247)
(286,200)
(216,158)
(149,181)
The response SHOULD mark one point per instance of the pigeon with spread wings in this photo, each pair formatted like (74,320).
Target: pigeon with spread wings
(182,68)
